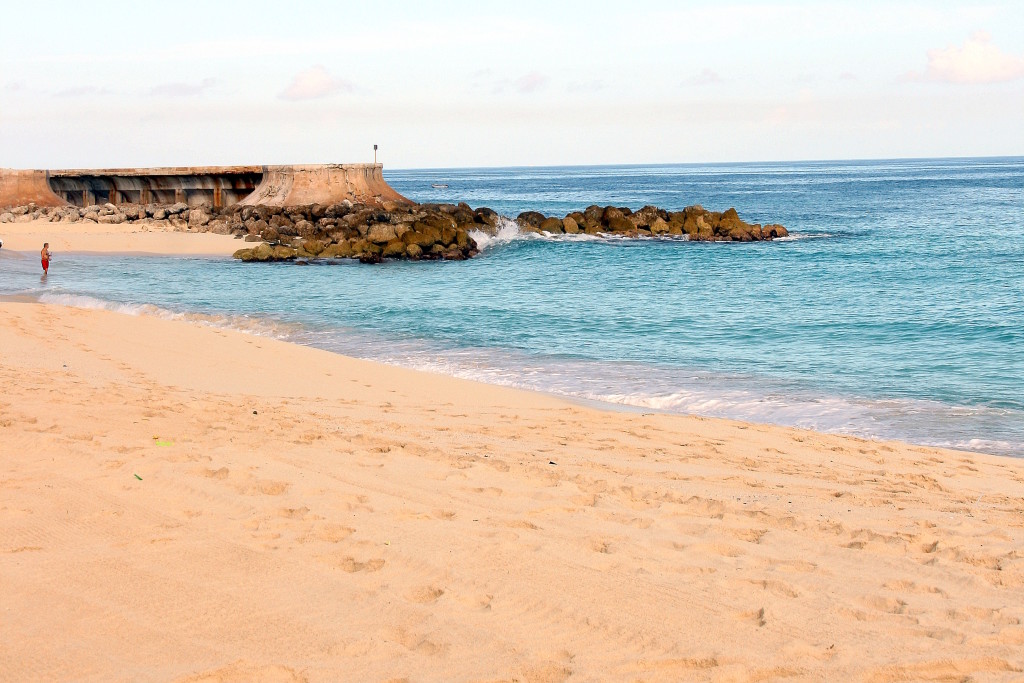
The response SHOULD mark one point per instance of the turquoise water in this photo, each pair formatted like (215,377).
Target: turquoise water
(896,310)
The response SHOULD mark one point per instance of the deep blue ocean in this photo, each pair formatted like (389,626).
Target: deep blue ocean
(895,309)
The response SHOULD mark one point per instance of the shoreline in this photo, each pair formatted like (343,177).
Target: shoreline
(230,323)
(260,508)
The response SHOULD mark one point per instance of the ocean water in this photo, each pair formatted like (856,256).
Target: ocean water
(895,309)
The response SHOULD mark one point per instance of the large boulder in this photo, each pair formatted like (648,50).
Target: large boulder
(258,226)
(620,224)
(570,226)
(381,233)
(265,252)
(283,253)
(531,219)
(438,220)
(552,225)
(485,216)
(339,250)
(304,228)
(396,248)
(423,235)
(270,234)
(284,225)
(593,213)
(645,216)
(311,248)
(198,217)
(219,226)
(658,227)
(610,213)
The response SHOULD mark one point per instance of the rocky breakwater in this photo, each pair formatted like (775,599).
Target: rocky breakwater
(444,231)
(177,217)
(397,230)
(694,222)
(357,231)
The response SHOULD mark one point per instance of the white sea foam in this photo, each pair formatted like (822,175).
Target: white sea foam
(508,231)
(791,237)
(264,327)
(705,395)
(622,384)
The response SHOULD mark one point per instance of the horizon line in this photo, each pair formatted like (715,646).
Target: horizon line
(709,163)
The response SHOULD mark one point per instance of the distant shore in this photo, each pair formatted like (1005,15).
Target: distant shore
(93,238)
(188,503)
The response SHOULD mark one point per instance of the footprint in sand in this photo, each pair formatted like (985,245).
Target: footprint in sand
(757,616)
(293,513)
(425,595)
(244,672)
(775,587)
(221,473)
(269,488)
(350,565)
(332,533)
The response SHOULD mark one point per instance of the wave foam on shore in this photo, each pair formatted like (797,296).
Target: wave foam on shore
(625,384)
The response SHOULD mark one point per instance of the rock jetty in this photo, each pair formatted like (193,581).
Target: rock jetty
(396,230)
(695,222)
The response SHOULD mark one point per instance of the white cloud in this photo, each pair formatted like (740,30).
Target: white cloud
(976,61)
(183,89)
(314,83)
(84,91)
(531,82)
(592,86)
(705,77)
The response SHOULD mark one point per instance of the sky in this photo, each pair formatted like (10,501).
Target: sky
(465,84)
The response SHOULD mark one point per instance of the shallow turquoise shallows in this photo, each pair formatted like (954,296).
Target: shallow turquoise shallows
(895,310)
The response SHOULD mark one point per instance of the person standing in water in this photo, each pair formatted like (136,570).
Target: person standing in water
(44,256)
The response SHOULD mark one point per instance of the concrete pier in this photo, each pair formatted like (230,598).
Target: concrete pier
(214,186)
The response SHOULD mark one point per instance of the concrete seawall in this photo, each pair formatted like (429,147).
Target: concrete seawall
(18,188)
(216,186)
(324,184)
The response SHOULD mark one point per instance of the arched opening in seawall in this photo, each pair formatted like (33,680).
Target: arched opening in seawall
(215,188)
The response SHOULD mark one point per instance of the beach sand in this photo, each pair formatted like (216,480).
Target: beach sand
(87,237)
(185,503)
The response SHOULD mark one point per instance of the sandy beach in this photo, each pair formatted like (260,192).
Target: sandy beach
(185,503)
(86,237)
